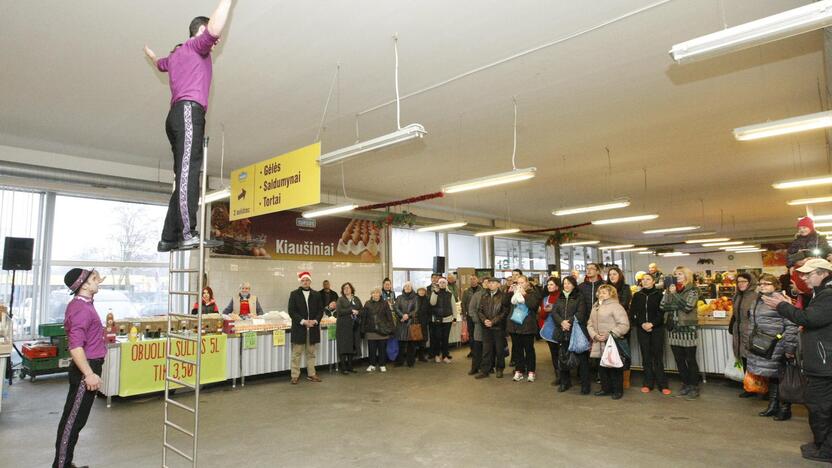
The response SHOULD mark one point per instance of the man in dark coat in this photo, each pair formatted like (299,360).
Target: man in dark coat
(816,343)
(328,297)
(492,313)
(306,311)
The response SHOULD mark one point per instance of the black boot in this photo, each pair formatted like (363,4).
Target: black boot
(773,402)
(785,412)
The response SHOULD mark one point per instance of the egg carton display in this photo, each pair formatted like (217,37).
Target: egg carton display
(360,238)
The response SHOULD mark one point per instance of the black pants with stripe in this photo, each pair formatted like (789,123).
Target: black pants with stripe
(76,411)
(185,127)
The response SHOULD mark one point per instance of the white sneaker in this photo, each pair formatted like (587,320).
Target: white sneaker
(438,359)
(531,377)
(383,368)
(447,360)
(518,376)
(371,369)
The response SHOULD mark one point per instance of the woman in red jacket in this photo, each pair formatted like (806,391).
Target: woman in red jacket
(209,306)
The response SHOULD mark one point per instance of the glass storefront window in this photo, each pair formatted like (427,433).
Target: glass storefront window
(412,249)
(464,251)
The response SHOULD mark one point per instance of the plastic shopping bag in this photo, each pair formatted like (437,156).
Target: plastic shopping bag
(734,371)
(518,316)
(548,330)
(464,334)
(392,349)
(578,342)
(611,357)
(755,383)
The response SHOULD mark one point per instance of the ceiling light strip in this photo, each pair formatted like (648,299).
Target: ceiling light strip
(516,175)
(590,208)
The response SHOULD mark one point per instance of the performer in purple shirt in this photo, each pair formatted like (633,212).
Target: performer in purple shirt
(86,346)
(189,69)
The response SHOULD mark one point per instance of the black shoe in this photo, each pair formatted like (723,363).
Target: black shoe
(499,373)
(481,375)
(685,390)
(73,465)
(693,393)
(602,393)
(585,391)
(468,355)
(193,243)
(166,246)
(398,364)
(345,372)
(816,455)
(773,408)
(745,394)
(472,371)
(785,412)
(562,388)
(811,447)
(423,359)
(617,396)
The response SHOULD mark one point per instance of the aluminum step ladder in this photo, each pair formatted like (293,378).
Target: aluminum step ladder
(181,371)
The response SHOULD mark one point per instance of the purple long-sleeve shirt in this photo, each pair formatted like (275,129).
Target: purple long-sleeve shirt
(190,69)
(83,328)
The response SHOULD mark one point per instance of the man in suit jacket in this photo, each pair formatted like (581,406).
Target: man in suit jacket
(306,311)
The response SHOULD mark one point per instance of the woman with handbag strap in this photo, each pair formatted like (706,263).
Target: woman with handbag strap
(405,309)
(569,311)
(547,306)
(523,297)
(608,317)
(682,325)
(738,327)
(779,337)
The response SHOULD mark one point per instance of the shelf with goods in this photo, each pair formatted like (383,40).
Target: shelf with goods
(46,356)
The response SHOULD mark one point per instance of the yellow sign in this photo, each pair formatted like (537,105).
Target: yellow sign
(284,182)
(279,338)
(143,364)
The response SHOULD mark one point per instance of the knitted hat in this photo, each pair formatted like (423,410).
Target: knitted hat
(304,274)
(806,222)
(75,278)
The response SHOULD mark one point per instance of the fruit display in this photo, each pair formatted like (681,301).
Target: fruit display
(723,303)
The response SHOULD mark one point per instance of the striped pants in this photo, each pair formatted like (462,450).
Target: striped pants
(185,127)
(76,411)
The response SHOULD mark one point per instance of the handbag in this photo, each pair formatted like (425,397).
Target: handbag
(611,357)
(548,330)
(755,384)
(623,350)
(416,332)
(760,343)
(464,334)
(392,349)
(792,383)
(578,342)
(572,361)
(518,316)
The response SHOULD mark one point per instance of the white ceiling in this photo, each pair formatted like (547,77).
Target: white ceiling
(74,81)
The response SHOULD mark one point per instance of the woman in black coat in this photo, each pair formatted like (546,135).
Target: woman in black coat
(423,316)
(347,332)
(615,278)
(377,325)
(570,307)
(648,319)
(406,309)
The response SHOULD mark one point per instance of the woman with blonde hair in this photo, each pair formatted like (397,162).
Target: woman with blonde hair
(377,325)
(523,301)
(682,325)
(608,317)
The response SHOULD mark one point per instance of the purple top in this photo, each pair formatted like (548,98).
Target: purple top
(83,328)
(190,70)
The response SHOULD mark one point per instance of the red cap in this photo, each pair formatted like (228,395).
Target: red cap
(304,274)
(806,222)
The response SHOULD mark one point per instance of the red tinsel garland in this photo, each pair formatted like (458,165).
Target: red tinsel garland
(406,201)
(561,228)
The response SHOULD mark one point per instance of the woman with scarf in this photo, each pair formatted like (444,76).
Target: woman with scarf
(569,311)
(406,309)
(647,317)
(377,325)
(547,307)
(208,306)
(522,325)
(682,324)
(347,333)
(739,327)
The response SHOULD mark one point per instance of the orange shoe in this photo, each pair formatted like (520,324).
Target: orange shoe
(666,391)
(645,389)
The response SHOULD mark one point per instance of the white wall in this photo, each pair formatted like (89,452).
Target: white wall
(721,262)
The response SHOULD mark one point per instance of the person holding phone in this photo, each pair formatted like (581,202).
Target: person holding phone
(682,324)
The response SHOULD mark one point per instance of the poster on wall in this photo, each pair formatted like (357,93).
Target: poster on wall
(289,236)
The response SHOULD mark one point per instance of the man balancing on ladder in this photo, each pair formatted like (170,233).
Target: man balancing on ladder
(190,69)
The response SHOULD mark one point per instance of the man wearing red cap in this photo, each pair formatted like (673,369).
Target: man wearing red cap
(306,310)
(806,244)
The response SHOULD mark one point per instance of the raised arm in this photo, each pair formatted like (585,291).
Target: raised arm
(217,22)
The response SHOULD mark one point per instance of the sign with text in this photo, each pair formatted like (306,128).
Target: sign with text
(283,182)
(279,338)
(250,340)
(142,367)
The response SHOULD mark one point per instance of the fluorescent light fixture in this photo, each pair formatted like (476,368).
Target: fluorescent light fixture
(617,247)
(515,175)
(629,219)
(497,232)
(634,249)
(330,210)
(674,254)
(573,244)
(739,247)
(590,208)
(401,135)
(797,124)
(810,201)
(810,182)
(218,195)
(749,251)
(441,227)
(789,23)
(819,217)
(702,241)
(722,244)
(823,224)
(673,229)
(647,252)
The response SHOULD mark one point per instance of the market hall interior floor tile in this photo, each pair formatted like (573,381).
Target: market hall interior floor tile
(433,415)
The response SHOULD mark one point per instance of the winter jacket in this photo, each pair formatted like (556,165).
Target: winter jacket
(739,327)
(466,300)
(473,306)
(347,328)
(645,308)
(680,316)
(406,303)
(625,294)
(588,290)
(327,296)
(569,308)
(299,310)
(532,302)
(810,243)
(492,307)
(768,321)
(606,317)
(377,319)
(816,337)
(441,304)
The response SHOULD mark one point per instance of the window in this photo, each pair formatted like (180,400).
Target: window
(464,251)
(566,260)
(412,249)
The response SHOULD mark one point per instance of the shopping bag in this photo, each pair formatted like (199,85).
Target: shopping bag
(464,333)
(623,350)
(572,361)
(755,384)
(519,314)
(733,370)
(578,342)
(792,383)
(611,357)
(547,332)
(392,349)
(416,332)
